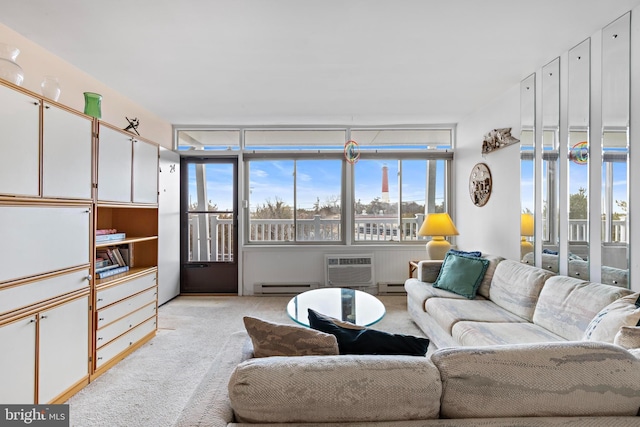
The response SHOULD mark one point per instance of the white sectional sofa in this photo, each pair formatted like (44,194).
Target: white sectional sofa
(516,303)
(524,351)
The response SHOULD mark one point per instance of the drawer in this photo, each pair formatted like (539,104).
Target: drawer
(16,297)
(116,347)
(119,327)
(124,308)
(123,290)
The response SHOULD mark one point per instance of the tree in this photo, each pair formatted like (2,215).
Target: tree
(578,204)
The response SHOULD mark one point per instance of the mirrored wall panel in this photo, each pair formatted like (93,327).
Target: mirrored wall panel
(578,103)
(615,151)
(527,168)
(550,165)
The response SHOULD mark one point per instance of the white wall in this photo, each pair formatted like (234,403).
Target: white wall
(495,227)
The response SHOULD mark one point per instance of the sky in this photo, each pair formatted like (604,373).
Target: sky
(271,180)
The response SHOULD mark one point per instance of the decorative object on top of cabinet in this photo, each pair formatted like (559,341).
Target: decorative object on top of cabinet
(93,104)
(9,69)
(480,184)
(50,87)
(133,125)
(496,139)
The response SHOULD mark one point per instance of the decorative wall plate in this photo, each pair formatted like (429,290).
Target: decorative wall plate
(480,184)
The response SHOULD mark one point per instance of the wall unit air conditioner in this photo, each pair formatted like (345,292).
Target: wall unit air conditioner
(349,270)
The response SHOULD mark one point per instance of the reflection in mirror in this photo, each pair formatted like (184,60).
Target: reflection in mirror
(527,167)
(578,163)
(550,165)
(615,151)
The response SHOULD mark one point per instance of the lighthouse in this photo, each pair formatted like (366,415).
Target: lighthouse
(385,184)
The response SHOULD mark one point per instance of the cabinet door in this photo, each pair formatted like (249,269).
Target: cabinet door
(19,143)
(63,348)
(66,167)
(145,172)
(37,240)
(18,361)
(114,166)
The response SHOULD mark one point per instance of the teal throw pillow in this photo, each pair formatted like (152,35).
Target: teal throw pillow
(461,274)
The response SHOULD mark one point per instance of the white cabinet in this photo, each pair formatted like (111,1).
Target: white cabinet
(63,348)
(38,239)
(115,160)
(145,172)
(17,361)
(19,143)
(127,168)
(53,342)
(66,165)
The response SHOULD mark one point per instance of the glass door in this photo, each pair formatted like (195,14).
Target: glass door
(209,237)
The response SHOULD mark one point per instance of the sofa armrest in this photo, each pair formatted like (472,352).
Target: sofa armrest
(428,270)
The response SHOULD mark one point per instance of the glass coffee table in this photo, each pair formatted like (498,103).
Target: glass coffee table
(349,305)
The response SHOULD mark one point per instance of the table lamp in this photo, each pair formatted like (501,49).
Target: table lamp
(526,230)
(438,225)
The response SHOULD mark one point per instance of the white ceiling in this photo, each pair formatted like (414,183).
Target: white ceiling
(310,61)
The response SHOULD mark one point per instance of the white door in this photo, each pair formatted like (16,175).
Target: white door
(66,149)
(18,361)
(63,348)
(114,166)
(145,172)
(19,143)
(168,226)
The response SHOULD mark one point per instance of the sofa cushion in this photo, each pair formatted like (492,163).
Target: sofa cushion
(337,389)
(489,333)
(274,339)
(628,337)
(447,312)
(420,292)
(516,287)
(550,379)
(461,274)
(566,305)
(606,324)
(485,287)
(366,340)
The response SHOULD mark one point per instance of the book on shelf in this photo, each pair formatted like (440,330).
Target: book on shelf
(102,262)
(107,267)
(102,231)
(110,237)
(112,271)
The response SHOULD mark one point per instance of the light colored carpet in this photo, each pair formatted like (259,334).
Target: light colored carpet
(157,385)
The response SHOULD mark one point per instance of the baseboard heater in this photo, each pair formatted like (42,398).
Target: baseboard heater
(391,288)
(283,289)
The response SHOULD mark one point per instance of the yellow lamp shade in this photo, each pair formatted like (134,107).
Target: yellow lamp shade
(438,225)
(526,224)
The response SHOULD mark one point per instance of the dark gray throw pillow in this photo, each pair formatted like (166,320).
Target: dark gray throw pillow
(368,341)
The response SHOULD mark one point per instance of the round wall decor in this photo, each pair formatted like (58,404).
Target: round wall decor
(480,184)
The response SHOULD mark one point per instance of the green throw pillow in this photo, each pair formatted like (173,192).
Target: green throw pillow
(461,274)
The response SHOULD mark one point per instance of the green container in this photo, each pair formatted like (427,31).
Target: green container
(92,104)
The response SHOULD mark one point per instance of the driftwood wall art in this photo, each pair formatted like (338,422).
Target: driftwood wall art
(497,138)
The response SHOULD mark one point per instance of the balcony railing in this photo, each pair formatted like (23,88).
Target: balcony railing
(215,241)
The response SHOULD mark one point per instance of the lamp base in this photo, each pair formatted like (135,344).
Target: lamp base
(525,247)
(437,247)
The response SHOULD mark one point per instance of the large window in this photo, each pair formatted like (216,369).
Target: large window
(392,196)
(295,200)
(299,188)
